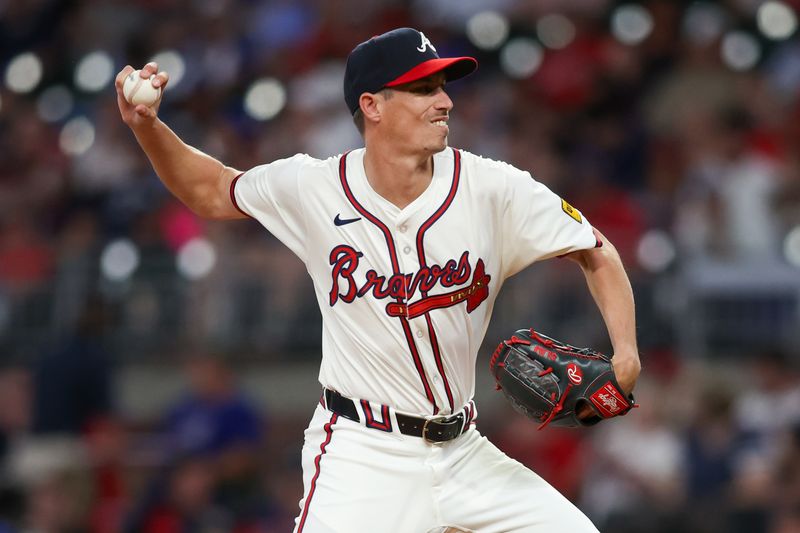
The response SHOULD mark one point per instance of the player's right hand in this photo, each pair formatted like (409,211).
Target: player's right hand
(137,115)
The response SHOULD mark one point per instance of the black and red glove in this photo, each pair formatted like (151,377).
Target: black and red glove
(549,381)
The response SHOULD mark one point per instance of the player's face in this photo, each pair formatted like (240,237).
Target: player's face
(416,114)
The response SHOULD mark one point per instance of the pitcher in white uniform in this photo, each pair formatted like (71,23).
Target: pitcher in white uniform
(407,242)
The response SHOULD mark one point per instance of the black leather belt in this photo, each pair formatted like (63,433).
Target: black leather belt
(433,430)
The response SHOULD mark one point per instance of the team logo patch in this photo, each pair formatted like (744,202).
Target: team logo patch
(608,400)
(574,373)
(571,211)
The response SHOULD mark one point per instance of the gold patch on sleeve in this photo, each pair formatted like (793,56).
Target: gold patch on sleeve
(571,211)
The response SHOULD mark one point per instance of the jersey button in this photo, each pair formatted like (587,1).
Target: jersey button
(437,379)
(402,228)
(419,333)
(407,250)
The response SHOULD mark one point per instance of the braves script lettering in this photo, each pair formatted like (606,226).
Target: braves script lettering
(344,261)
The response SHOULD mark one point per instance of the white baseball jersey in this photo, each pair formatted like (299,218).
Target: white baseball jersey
(406,294)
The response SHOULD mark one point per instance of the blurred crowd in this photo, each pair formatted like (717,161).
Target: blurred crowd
(673,126)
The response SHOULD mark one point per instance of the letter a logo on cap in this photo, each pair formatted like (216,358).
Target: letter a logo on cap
(425,43)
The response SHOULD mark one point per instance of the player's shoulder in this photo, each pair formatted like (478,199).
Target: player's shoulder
(303,160)
(300,166)
(327,164)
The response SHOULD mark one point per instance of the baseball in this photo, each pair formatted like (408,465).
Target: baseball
(138,90)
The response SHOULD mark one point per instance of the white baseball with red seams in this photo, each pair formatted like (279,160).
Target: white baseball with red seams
(138,90)
(406,296)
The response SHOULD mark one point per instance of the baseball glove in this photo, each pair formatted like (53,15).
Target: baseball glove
(549,381)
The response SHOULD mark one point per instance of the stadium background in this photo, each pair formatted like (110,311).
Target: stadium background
(157,371)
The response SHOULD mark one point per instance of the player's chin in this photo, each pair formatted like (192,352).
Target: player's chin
(438,145)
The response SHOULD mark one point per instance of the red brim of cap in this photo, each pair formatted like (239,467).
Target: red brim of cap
(453,67)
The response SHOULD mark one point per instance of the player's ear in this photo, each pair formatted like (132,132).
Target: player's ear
(370,105)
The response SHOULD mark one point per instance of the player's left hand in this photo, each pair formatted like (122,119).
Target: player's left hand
(627,371)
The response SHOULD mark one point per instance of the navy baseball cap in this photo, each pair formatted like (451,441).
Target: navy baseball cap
(396,57)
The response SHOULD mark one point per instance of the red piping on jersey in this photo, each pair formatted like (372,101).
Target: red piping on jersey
(366,214)
(437,356)
(233,196)
(422,263)
(317,460)
(395,269)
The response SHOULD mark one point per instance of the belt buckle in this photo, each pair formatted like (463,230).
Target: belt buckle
(442,420)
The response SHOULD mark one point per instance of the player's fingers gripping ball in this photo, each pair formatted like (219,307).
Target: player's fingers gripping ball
(550,381)
(138,90)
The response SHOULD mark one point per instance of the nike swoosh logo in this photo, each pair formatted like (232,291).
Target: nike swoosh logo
(342,221)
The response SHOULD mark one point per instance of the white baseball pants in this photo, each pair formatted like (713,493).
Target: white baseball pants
(362,480)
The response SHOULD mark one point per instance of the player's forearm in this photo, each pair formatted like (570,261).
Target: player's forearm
(611,290)
(197,179)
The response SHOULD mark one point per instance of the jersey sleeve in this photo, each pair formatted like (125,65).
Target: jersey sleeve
(538,224)
(271,194)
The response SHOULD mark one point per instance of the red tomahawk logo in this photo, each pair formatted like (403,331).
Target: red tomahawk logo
(474,294)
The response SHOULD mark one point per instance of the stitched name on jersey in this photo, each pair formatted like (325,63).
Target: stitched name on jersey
(344,261)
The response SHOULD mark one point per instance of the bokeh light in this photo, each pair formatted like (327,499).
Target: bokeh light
(555,31)
(119,260)
(24,73)
(55,103)
(655,251)
(740,51)
(77,136)
(94,71)
(265,99)
(631,24)
(196,259)
(172,62)
(521,57)
(487,30)
(791,246)
(776,20)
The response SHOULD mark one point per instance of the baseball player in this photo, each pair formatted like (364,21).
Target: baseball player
(407,242)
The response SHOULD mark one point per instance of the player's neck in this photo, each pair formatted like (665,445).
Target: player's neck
(400,179)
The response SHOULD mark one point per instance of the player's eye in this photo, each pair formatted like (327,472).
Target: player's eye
(427,88)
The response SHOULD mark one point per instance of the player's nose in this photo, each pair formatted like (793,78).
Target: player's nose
(443,101)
